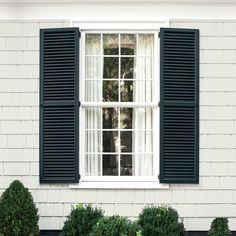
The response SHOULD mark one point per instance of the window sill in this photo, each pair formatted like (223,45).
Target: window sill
(118,185)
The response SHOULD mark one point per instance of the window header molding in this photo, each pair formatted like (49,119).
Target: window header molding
(120,25)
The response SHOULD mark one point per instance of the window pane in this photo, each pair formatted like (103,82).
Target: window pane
(93,91)
(145,68)
(93,165)
(110,141)
(92,67)
(110,118)
(111,44)
(93,118)
(143,91)
(111,68)
(142,118)
(126,141)
(142,141)
(110,91)
(126,165)
(126,90)
(109,164)
(145,44)
(93,44)
(126,118)
(128,44)
(127,68)
(144,165)
(93,141)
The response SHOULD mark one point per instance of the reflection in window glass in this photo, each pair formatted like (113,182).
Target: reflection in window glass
(110,91)
(110,141)
(109,164)
(111,44)
(128,44)
(110,118)
(127,67)
(126,165)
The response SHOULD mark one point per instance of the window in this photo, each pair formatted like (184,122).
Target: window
(120,101)
(102,124)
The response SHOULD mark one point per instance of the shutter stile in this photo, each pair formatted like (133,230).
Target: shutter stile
(59,98)
(179,109)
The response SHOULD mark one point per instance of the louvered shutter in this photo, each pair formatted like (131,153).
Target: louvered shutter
(179,106)
(59,105)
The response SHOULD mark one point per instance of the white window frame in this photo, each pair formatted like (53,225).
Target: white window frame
(126,182)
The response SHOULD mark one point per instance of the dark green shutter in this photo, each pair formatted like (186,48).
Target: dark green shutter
(59,105)
(179,105)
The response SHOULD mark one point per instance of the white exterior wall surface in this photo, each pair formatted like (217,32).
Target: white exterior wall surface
(197,204)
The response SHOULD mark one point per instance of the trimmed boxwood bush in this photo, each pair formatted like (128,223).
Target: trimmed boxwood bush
(18,213)
(115,226)
(219,227)
(160,221)
(81,220)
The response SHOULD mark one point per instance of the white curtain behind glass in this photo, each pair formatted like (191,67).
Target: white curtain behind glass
(142,140)
(93,94)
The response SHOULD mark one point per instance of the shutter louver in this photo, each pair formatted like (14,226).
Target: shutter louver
(179,106)
(59,105)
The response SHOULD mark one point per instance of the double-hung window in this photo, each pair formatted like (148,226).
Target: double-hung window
(119,111)
(119,105)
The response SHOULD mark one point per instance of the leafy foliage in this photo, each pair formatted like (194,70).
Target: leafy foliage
(160,221)
(219,227)
(81,220)
(115,226)
(18,213)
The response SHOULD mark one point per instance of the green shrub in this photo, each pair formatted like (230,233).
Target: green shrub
(160,221)
(219,227)
(115,226)
(81,220)
(18,213)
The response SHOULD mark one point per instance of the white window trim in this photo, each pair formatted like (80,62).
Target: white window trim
(121,182)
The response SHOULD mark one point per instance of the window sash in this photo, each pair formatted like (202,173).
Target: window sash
(154,105)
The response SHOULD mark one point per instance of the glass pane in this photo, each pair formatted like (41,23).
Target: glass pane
(93,165)
(92,67)
(143,91)
(142,141)
(110,118)
(93,91)
(145,68)
(93,44)
(126,141)
(126,118)
(93,118)
(126,90)
(127,68)
(111,44)
(128,44)
(143,118)
(93,141)
(111,68)
(110,91)
(145,44)
(109,165)
(144,165)
(110,141)
(126,165)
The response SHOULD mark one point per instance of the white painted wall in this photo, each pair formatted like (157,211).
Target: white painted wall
(19,114)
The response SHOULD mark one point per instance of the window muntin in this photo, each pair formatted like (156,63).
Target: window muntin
(119,70)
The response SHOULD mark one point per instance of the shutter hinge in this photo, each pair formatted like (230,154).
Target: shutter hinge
(159,104)
(158,176)
(79,34)
(159,34)
(79,103)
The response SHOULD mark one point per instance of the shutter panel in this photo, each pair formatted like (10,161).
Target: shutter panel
(59,105)
(179,106)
